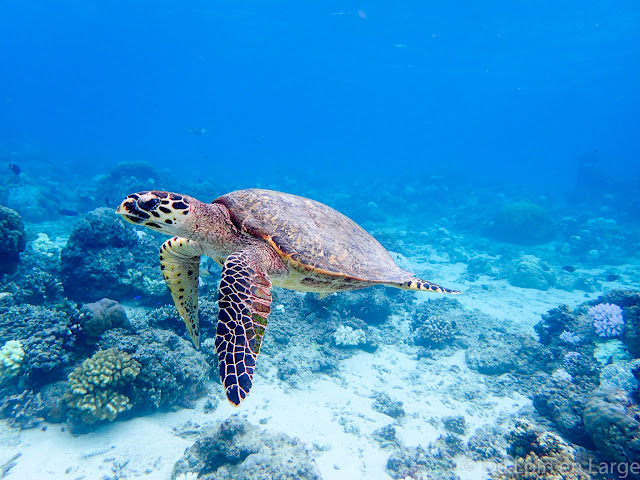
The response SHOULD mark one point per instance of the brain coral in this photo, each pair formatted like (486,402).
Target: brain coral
(612,419)
(96,388)
(523,223)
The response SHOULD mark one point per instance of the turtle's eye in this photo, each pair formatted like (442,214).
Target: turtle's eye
(149,204)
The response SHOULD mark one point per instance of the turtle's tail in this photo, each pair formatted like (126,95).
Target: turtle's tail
(422,285)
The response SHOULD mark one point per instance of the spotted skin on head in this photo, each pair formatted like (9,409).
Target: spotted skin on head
(180,265)
(245,303)
(155,210)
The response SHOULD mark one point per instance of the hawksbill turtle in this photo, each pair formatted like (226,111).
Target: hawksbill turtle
(261,238)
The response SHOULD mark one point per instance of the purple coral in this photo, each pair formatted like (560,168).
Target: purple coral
(572,357)
(607,319)
(570,337)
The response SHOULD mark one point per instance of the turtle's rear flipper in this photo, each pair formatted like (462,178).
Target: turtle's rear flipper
(180,264)
(418,284)
(245,303)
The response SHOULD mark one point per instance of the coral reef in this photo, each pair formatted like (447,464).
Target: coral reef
(22,410)
(607,319)
(96,318)
(97,388)
(540,455)
(46,356)
(629,302)
(554,323)
(172,374)
(416,462)
(455,424)
(486,444)
(563,402)
(612,419)
(523,223)
(104,258)
(517,353)
(46,339)
(237,450)
(13,240)
(384,404)
(34,203)
(372,305)
(25,321)
(434,324)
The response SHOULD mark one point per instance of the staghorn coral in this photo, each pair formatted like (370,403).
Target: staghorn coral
(96,386)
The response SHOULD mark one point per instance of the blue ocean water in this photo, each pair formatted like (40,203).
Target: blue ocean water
(490,148)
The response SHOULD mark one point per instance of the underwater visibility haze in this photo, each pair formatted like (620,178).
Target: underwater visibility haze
(186,185)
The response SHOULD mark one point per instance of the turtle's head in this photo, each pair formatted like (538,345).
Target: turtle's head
(163,212)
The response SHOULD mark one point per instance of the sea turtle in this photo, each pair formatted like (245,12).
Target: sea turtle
(260,238)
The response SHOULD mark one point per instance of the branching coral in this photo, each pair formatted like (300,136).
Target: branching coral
(607,319)
(346,336)
(96,386)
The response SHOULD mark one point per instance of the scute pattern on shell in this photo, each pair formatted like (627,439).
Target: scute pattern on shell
(312,235)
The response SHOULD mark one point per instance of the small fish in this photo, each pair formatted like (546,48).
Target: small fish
(569,268)
(68,213)
(107,202)
(195,131)
(137,298)
(15,168)
(611,277)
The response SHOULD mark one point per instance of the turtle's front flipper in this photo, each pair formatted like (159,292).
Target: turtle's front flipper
(180,264)
(245,303)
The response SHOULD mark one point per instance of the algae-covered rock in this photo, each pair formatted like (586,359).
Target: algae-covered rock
(237,450)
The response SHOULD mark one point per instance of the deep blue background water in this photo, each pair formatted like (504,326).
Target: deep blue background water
(503,90)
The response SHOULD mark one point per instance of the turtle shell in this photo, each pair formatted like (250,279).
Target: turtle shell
(311,235)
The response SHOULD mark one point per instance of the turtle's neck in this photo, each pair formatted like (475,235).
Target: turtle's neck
(210,225)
